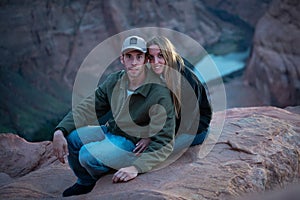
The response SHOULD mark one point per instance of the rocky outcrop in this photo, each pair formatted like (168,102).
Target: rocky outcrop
(18,157)
(273,68)
(257,152)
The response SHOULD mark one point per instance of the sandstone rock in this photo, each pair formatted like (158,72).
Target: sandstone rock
(47,182)
(5,179)
(293,109)
(273,68)
(19,157)
(257,152)
(291,193)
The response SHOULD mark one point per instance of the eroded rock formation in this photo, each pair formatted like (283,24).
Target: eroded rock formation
(273,68)
(258,151)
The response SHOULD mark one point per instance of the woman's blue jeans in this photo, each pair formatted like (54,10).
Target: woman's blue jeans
(93,151)
(184,141)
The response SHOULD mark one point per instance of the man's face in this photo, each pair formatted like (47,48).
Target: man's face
(134,63)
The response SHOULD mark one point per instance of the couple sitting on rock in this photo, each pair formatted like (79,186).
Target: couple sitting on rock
(159,108)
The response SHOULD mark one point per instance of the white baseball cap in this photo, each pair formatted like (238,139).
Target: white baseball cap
(134,43)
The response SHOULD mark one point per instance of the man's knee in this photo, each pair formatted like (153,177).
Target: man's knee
(73,140)
(89,161)
(85,158)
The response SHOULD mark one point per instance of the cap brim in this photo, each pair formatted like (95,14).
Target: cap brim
(133,48)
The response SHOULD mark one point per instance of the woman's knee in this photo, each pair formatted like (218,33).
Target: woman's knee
(199,138)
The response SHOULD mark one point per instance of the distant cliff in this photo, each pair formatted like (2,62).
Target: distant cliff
(273,68)
(43,43)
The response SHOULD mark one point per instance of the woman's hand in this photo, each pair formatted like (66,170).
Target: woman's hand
(60,146)
(125,174)
(141,146)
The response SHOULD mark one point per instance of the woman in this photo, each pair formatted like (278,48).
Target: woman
(177,74)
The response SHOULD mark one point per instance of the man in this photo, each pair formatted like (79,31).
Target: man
(141,107)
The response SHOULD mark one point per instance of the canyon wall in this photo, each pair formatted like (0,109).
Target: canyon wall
(43,43)
(273,68)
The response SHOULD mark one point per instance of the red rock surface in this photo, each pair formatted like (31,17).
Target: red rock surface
(258,151)
(18,157)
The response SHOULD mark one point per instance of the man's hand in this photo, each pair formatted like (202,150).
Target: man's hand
(141,146)
(125,174)
(60,146)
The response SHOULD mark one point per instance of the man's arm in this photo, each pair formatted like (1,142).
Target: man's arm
(162,140)
(64,128)
(125,174)
(83,114)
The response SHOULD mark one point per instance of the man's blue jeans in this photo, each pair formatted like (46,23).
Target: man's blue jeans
(93,151)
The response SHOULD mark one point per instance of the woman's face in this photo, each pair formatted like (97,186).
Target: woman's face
(156,59)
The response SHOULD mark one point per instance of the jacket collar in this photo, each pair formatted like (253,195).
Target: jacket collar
(144,89)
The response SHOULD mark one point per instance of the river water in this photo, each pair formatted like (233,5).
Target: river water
(212,67)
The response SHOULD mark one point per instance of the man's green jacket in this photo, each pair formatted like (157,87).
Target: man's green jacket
(148,112)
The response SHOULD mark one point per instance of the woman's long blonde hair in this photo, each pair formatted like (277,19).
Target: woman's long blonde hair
(173,62)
